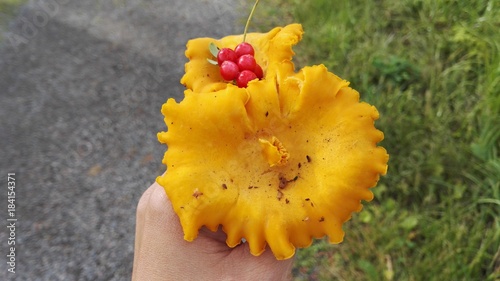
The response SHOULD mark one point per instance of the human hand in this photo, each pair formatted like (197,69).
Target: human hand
(161,253)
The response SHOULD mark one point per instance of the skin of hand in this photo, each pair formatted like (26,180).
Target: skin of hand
(161,253)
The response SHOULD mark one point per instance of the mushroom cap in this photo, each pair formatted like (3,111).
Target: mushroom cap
(283,161)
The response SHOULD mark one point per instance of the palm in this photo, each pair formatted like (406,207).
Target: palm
(161,253)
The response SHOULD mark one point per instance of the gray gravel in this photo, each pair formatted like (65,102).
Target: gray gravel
(81,87)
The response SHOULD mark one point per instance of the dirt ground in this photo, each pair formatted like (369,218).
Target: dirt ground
(81,87)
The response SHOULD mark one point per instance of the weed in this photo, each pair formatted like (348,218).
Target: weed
(8,9)
(432,68)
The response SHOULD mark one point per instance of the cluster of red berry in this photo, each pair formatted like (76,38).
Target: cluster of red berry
(239,64)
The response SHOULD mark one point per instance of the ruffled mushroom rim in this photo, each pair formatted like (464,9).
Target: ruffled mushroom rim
(306,149)
(273,52)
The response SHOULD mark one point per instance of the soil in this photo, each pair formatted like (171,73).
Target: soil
(81,88)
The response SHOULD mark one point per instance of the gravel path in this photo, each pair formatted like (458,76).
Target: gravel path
(81,87)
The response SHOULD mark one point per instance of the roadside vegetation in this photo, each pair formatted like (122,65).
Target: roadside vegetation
(432,68)
(8,9)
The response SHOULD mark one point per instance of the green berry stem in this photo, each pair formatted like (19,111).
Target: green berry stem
(248,20)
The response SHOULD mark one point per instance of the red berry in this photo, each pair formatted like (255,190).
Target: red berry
(258,71)
(244,49)
(244,77)
(226,54)
(229,70)
(246,62)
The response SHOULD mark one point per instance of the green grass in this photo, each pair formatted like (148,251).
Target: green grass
(432,68)
(6,5)
(8,9)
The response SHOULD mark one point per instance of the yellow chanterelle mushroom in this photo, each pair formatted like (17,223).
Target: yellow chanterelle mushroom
(285,160)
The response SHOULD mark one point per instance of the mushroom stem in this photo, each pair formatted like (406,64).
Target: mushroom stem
(248,20)
(274,152)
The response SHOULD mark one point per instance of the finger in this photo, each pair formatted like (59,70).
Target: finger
(262,267)
(154,229)
(218,235)
(141,215)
